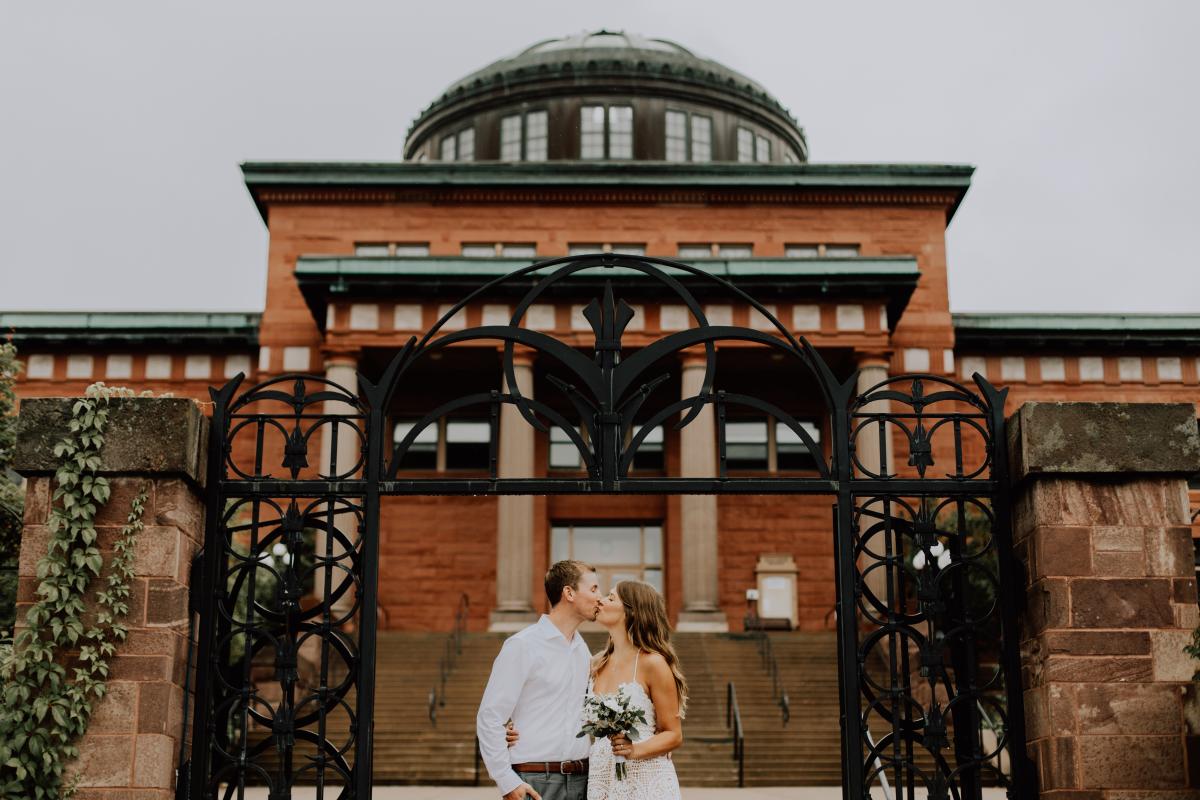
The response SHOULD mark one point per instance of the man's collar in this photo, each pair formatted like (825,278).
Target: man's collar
(550,631)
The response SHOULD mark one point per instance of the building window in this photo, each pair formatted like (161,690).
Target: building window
(769,445)
(689,137)
(495,249)
(762,149)
(746,445)
(606,132)
(423,452)
(458,146)
(650,455)
(468,444)
(821,251)
(745,145)
(716,250)
(790,450)
(618,552)
(510,138)
(537,134)
(621,249)
(523,137)
(563,452)
(384,249)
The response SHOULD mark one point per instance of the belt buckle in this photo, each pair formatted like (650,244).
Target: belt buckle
(562,767)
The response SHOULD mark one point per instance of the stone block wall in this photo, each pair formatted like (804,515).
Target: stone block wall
(132,745)
(1100,524)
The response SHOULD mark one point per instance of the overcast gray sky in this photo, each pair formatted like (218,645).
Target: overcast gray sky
(122,125)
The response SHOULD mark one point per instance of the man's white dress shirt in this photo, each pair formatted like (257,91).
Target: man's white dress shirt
(539,680)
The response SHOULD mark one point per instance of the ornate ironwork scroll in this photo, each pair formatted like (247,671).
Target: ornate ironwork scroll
(926,580)
(928,568)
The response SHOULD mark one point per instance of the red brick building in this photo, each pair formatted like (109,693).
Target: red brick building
(609,143)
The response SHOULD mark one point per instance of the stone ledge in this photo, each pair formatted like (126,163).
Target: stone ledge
(1103,439)
(145,435)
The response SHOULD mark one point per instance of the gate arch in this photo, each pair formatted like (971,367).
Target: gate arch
(927,585)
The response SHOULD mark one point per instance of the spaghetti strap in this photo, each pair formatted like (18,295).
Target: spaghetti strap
(635,660)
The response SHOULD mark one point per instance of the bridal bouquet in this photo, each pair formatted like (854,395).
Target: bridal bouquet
(608,715)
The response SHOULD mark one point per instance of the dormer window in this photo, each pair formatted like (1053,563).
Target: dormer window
(606,132)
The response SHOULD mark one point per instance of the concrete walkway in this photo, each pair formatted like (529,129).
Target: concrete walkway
(490,793)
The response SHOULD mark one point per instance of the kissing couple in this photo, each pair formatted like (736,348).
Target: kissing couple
(544,677)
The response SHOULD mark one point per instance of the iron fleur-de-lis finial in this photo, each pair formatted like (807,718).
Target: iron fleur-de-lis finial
(295,452)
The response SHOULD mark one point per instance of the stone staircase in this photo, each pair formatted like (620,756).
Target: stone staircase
(409,749)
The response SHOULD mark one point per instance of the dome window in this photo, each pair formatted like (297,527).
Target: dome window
(606,132)
(689,137)
(752,147)
(523,137)
(458,146)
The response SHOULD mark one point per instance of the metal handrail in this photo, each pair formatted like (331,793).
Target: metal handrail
(733,718)
(766,652)
(450,653)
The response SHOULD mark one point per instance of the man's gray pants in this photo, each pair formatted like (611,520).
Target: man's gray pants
(555,786)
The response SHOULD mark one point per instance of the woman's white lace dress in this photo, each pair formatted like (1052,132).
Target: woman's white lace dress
(645,778)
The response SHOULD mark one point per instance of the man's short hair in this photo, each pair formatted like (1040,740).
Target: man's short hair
(563,574)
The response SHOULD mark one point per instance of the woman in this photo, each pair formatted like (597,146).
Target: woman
(639,658)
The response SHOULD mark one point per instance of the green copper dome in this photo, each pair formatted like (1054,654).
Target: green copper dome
(607,62)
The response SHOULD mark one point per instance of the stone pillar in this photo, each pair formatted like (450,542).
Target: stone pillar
(698,512)
(873,370)
(1100,523)
(514,513)
(132,744)
(340,368)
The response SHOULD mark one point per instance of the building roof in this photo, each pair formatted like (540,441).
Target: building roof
(598,56)
(324,278)
(49,328)
(1016,330)
(263,176)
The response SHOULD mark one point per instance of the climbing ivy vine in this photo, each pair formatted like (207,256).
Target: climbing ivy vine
(59,664)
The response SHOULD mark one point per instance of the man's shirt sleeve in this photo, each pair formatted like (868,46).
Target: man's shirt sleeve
(499,699)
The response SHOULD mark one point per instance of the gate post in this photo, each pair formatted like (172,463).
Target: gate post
(1100,523)
(133,741)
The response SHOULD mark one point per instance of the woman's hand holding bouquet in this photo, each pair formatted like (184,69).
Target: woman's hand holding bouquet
(611,715)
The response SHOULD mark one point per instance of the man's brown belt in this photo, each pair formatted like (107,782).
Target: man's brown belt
(557,767)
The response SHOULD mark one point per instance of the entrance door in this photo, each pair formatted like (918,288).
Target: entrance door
(618,552)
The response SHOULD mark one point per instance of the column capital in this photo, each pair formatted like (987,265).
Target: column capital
(694,356)
(523,356)
(880,357)
(340,356)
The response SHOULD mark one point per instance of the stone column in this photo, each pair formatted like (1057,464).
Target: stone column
(698,512)
(873,370)
(132,743)
(341,367)
(514,513)
(1100,522)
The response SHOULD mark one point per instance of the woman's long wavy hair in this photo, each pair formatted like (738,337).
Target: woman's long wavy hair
(649,631)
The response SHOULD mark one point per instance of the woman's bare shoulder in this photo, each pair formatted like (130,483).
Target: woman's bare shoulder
(655,662)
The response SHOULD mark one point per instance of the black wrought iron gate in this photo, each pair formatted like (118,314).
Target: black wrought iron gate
(927,586)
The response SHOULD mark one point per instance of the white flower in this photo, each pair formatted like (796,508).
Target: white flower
(937,549)
(612,704)
(280,549)
(944,560)
(919,560)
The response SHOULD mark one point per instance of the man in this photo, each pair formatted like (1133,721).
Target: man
(539,681)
